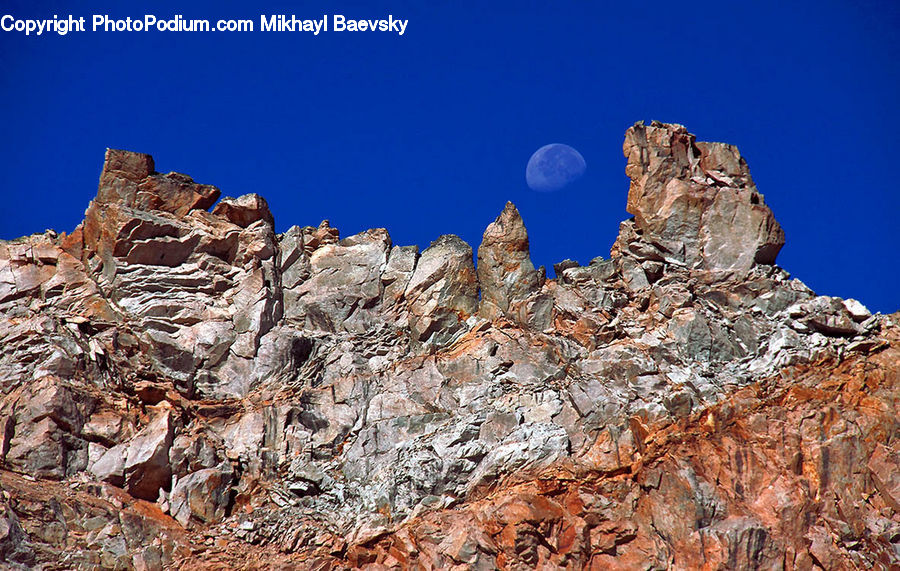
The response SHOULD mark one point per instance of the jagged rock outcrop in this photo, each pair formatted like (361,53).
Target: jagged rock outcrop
(183,387)
(695,203)
(442,292)
(505,272)
(344,282)
(198,285)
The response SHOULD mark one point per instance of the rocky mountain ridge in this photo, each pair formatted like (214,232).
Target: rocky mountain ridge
(185,387)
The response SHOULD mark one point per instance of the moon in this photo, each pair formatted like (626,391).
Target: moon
(553,167)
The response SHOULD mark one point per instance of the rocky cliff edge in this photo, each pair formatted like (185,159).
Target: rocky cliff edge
(183,387)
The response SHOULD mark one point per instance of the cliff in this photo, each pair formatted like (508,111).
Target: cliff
(180,386)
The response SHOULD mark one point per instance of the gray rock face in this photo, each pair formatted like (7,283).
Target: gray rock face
(442,292)
(320,396)
(400,266)
(14,548)
(505,271)
(344,283)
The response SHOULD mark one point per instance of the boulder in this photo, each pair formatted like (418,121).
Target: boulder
(190,453)
(147,467)
(39,448)
(202,495)
(107,427)
(44,439)
(857,310)
(244,210)
(829,315)
(110,466)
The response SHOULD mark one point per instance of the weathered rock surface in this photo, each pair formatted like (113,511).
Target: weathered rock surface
(505,271)
(183,387)
(244,210)
(695,203)
(442,291)
(146,465)
(202,495)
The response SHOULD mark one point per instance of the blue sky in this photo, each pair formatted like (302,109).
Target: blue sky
(429,133)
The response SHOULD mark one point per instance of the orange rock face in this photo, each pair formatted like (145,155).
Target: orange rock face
(696,202)
(790,473)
